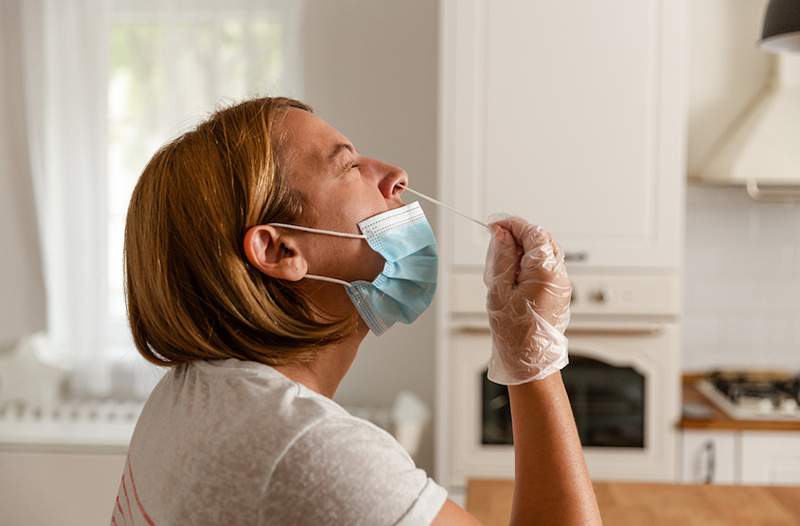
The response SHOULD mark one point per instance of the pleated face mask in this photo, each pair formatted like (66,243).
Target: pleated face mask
(407,283)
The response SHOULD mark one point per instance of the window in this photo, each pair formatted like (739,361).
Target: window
(113,81)
(169,69)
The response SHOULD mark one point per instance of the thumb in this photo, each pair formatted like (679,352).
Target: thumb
(502,260)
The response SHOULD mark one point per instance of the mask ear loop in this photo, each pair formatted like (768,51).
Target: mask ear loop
(327,232)
(320,231)
(432,200)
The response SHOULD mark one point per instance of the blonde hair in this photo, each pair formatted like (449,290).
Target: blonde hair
(190,292)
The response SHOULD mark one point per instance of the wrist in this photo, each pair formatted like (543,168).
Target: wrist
(518,371)
(552,383)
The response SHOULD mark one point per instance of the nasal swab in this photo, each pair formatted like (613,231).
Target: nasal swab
(462,214)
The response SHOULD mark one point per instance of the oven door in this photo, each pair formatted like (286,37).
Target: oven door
(624,387)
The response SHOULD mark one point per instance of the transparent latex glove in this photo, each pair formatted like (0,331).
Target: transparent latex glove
(527,302)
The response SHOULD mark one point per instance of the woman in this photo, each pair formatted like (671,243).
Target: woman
(243,428)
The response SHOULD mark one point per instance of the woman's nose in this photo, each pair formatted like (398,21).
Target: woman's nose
(393,183)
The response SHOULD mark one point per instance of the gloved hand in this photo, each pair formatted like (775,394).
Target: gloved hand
(527,302)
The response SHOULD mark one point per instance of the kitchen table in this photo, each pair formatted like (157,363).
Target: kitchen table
(656,504)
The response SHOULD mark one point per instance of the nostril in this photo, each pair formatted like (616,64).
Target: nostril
(401,184)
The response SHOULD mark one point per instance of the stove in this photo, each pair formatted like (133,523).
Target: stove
(747,395)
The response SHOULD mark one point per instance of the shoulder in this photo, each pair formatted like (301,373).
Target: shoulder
(346,435)
(349,450)
(346,468)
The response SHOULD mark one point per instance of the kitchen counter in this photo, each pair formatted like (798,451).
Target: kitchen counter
(628,503)
(721,421)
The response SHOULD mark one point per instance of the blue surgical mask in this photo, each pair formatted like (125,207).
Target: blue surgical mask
(407,283)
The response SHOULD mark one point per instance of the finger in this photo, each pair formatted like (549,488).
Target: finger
(526,234)
(561,266)
(542,256)
(502,260)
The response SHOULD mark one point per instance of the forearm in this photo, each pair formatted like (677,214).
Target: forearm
(552,484)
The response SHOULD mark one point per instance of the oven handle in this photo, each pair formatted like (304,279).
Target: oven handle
(633,330)
(579,330)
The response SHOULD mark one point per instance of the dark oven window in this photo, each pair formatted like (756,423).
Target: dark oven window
(607,401)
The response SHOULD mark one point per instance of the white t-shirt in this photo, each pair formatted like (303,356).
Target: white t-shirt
(237,442)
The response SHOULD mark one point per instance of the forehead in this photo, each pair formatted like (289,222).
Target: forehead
(306,139)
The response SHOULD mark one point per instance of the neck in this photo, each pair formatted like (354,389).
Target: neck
(324,374)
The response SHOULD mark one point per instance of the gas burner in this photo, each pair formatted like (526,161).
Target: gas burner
(749,395)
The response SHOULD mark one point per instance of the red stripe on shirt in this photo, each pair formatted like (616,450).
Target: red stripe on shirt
(136,496)
(130,512)
(120,506)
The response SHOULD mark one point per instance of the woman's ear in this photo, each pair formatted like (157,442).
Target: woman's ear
(275,254)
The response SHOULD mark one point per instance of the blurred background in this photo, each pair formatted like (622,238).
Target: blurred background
(90,90)
(655,139)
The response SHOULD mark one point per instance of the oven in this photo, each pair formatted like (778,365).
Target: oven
(623,380)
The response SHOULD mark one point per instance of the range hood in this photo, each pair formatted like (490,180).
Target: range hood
(761,150)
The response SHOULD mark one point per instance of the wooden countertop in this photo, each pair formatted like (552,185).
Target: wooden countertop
(721,421)
(637,504)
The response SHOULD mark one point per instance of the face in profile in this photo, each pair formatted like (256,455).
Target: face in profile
(340,187)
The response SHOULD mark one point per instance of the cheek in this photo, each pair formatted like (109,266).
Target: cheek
(347,259)
(342,209)
(361,201)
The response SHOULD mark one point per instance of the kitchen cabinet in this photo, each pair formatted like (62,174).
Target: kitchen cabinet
(770,457)
(709,457)
(740,457)
(572,115)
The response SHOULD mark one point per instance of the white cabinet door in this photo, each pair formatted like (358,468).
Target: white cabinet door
(770,457)
(571,114)
(709,457)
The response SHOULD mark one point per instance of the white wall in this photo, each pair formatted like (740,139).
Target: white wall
(742,301)
(371,71)
(742,274)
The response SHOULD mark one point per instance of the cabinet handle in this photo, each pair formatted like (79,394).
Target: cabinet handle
(576,257)
(778,193)
(711,461)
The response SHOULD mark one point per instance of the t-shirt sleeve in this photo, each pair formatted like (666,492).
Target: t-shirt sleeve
(348,471)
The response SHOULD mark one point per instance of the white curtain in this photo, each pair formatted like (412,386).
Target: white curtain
(66,56)
(107,82)
(22,292)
